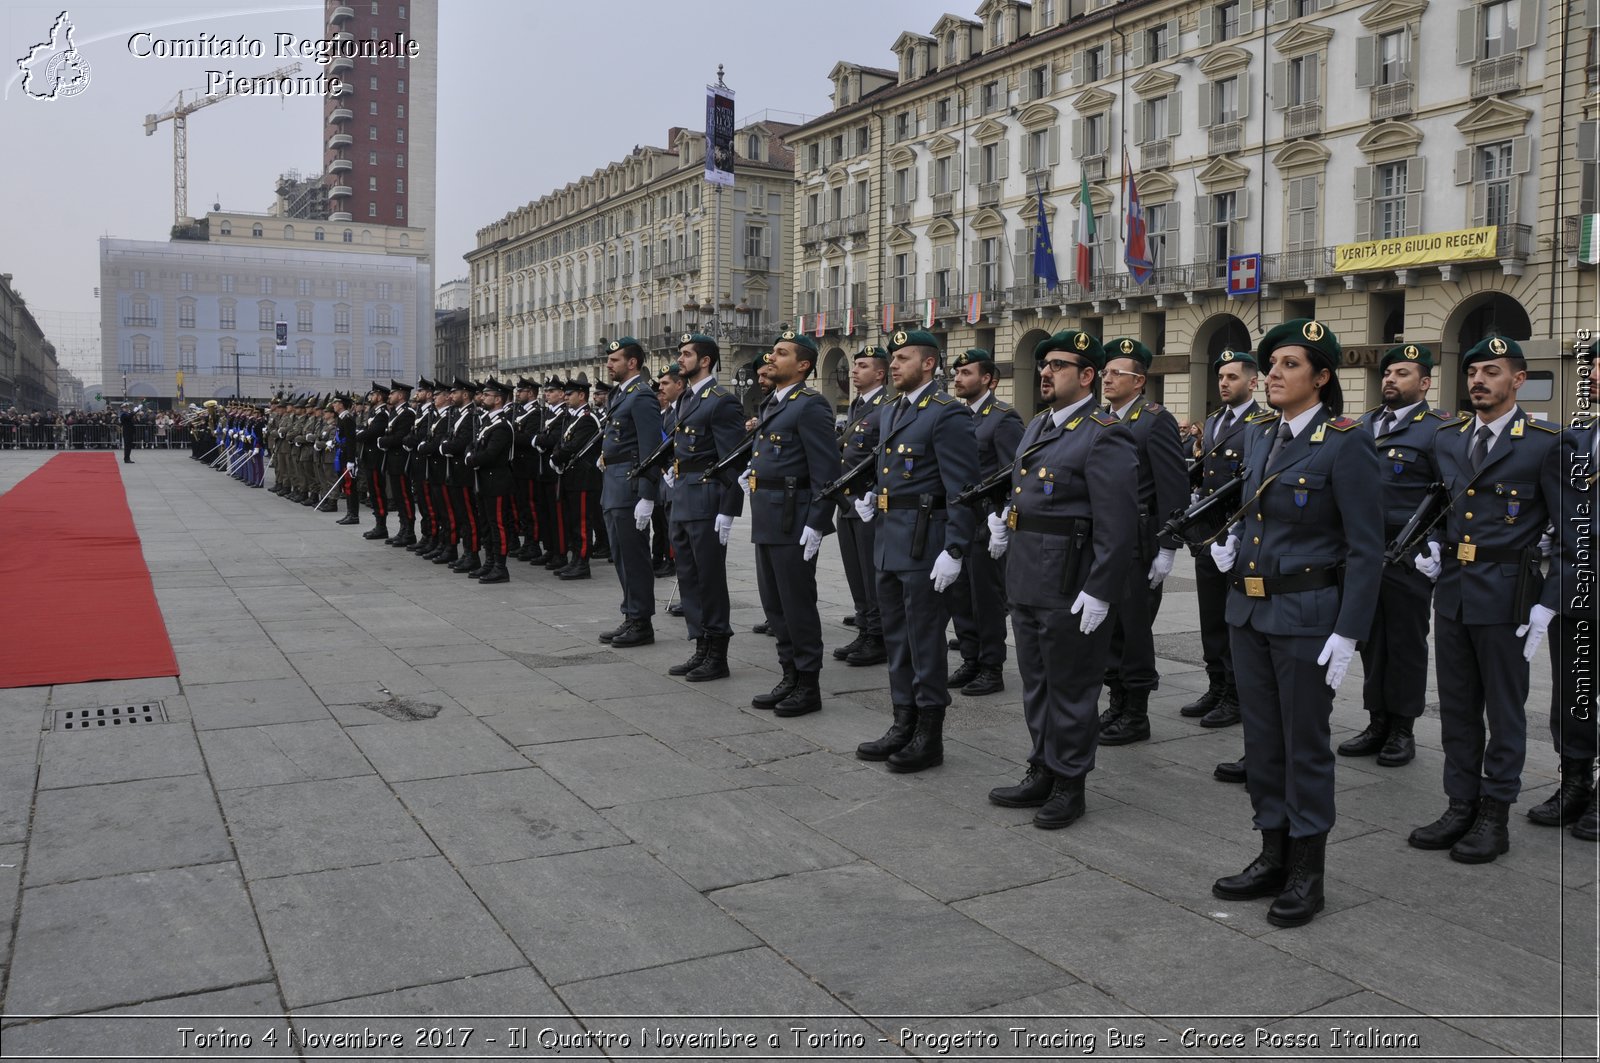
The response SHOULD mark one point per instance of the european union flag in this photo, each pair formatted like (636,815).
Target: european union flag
(1044,251)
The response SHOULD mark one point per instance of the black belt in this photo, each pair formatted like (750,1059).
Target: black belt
(782,483)
(1268,586)
(618,458)
(1469,553)
(697,463)
(908,502)
(1045,525)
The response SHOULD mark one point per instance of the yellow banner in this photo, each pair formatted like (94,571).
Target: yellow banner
(1406,251)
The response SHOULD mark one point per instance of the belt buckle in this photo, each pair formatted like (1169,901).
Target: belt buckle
(752,482)
(1467,552)
(675,466)
(1255,587)
(1011,519)
(883,501)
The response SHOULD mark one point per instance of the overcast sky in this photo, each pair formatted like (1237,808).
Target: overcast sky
(532,94)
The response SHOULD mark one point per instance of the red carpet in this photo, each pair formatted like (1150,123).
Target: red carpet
(78,601)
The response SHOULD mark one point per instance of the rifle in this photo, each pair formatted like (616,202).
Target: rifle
(987,491)
(594,441)
(846,484)
(1178,525)
(736,456)
(1429,512)
(658,458)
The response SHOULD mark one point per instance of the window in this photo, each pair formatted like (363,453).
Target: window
(1302,214)
(942,282)
(372,108)
(341,318)
(943,175)
(318,234)
(1302,83)
(1094,135)
(989,168)
(863,201)
(813,158)
(755,241)
(227,282)
(402,87)
(372,184)
(372,210)
(1499,23)
(1389,201)
(341,289)
(372,132)
(399,212)
(1393,55)
(400,162)
(1094,63)
(1226,20)
(141,354)
(303,319)
(227,228)
(903,129)
(402,11)
(384,290)
(942,112)
(341,361)
(1225,101)
(992,100)
(1158,222)
(752,148)
(400,136)
(303,357)
(1495,187)
(400,185)
(186,282)
(905,186)
(1224,208)
(186,313)
(1036,82)
(905,281)
(372,158)
(266,316)
(225,314)
(348,236)
(383,354)
(266,285)
(949,48)
(989,264)
(1155,120)
(813,212)
(1044,13)
(373,85)
(138,279)
(1157,45)
(863,140)
(186,359)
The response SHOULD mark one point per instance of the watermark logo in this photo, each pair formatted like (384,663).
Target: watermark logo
(55,69)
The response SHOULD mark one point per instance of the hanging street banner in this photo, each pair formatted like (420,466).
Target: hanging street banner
(1460,245)
(719,135)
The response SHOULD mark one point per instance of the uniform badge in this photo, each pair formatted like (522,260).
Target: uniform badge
(788,335)
(1127,346)
(898,338)
(1411,352)
(1081,341)
(1497,346)
(1512,509)
(1301,497)
(1049,487)
(1227,356)
(1313,331)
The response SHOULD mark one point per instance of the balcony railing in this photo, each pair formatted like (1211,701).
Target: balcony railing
(900,214)
(758,263)
(1490,77)
(384,330)
(1224,138)
(833,229)
(139,320)
(1303,120)
(909,310)
(1108,285)
(858,223)
(1169,279)
(1514,242)
(148,367)
(1302,265)
(1095,167)
(811,234)
(1392,101)
(944,204)
(1155,154)
(989,194)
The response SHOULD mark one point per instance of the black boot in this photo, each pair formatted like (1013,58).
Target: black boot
(872,651)
(1301,898)
(1448,829)
(607,636)
(843,652)
(806,697)
(1064,807)
(989,681)
(1401,746)
(1229,771)
(1370,740)
(1033,791)
(1226,714)
(926,748)
(468,562)
(422,545)
(965,674)
(696,659)
(1264,877)
(435,548)
(785,687)
(525,551)
(1488,837)
(330,506)
(640,633)
(557,562)
(1133,725)
(478,567)
(894,739)
(1588,826)
(1115,700)
(1571,799)
(1205,702)
(380,530)
(579,569)
(495,572)
(407,537)
(715,665)
(352,512)
(447,556)
(538,556)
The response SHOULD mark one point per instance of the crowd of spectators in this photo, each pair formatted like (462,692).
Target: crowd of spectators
(88,430)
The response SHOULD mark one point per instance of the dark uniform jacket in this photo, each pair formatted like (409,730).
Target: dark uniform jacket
(633,430)
(1221,458)
(393,440)
(707,426)
(859,438)
(432,447)
(368,436)
(1163,475)
(525,422)
(927,453)
(794,456)
(577,429)
(490,455)
(457,441)
(1406,461)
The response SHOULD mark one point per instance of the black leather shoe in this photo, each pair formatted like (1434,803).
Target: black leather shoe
(785,687)
(1064,807)
(965,674)
(1033,791)
(449,556)
(872,651)
(557,562)
(715,664)
(1571,799)
(348,518)
(1229,771)
(1588,826)
(1401,746)
(1115,700)
(762,628)
(467,563)
(330,506)
(1132,724)
(577,570)
(421,546)
(641,633)
(607,636)
(926,748)
(1226,714)
(894,739)
(806,697)
(675,609)
(1448,829)
(377,531)
(1204,703)
(1301,898)
(664,569)
(989,681)
(480,567)
(537,558)
(848,648)
(696,659)
(1264,876)
(1370,740)
(1488,836)
(495,572)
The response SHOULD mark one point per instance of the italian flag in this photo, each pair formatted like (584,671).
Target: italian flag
(1085,230)
(1589,239)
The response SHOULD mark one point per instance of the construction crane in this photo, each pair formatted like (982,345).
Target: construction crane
(179,113)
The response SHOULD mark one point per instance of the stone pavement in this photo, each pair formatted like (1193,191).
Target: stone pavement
(387,790)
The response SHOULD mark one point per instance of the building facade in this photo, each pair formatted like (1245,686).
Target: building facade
(28,369)
(643,248)
(453,295)
(1388,190)
(452,344)
(192,319)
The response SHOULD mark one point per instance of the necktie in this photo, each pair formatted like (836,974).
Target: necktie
(855,407)
(1285,433)
(1385,423)
(1480,447)
(1224,423)
(900,407)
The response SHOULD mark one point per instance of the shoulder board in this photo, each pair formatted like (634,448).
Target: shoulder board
(1261,417)
(941,398)
(877,400)
(1544,426)
(1459,424)
(1105,419)
(1153,407)
(719,391)
(1342,424)
(1443,415)
(1003,407)
(803,391)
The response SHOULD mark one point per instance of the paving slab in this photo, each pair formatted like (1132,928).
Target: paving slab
(624,770)
(252,702)
(603,911)
(142,752)
(432,749)
(505,815)
(554,718)
(105,942)
(116,828)
(293,828)
(239,757)
(128,691)
(156,1030)
(232,663)
(365,930)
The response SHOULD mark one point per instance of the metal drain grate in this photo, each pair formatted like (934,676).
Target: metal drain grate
(105,716)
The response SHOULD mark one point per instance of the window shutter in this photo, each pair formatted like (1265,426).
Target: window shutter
(1247,15)
(1241,203)
(1244,94)
(1174,37)
(1278,12)
(911,184)
(975,166)
(955,176)
(1467,35)
(1363,200)
(1480,204)
(1136,48)
(1591,14)
(927,286)
(1313,76)
(1464,166)
(1280,86)
(1077,68)
(1003,167)
(1077,138)
(1174,113)
(1206,93)
(1589,141)
(1528,24)
(1207,21)
(1027,153)
(1413,213)
(1174,212)
(933,182)
(1139,114)
(1202,229)
(1055,145)
(1521,155)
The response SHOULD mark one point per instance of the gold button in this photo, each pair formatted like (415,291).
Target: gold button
(1513,494)
(886,468)
(1018,491)
(1024,472)
(1256,540)
(1466,538)
(1302,479)
(1258,516)
(1469,516)
(1252,566)
(1471,492)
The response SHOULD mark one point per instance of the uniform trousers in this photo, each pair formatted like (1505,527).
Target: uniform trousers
(497,521)
(1483,688)
(464,508)
(977,602)
(1211,592)
(527,513)
(856,541)
(914,620)
(1131,663)
(445,529)
(702,563)
(630,555)
(1286,703)
(399,497)
(578,509)
(424,504)
(788,587)
(547,515)
(1394,657)
(1061,679)
(375,497)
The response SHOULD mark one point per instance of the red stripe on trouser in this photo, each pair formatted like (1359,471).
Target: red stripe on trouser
(532,530)
(583,525)
(430,521)
(561,526)
(408,508)
(449,513)
(375,482)
(503,539)
(471,539)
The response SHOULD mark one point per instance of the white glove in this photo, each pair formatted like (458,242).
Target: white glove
(999,534)
(865,508)
(945,571)
(668,478)
(1194,496)
(641,513)
(811,539)
(744,477)
(1546,545)
(1093,609)
(1161,567)
(1428,564)
(1224,554)
(1337,653)
(1538,623)
(724,526)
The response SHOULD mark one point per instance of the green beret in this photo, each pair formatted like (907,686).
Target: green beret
(1073,341)
(799,339)
(673,371)
(1491,347)
(1303,332)
(968,357)
(625,341)
(1411,354)
(1229,356)
(1130,348)
(914,338)
(870,351)
(697,337)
